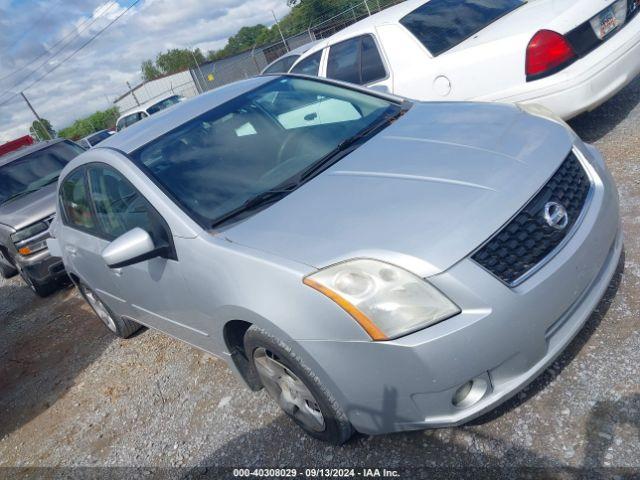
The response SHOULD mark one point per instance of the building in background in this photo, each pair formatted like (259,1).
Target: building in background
(181,83)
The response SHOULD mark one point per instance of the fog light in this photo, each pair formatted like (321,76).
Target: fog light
(470,392)
(462,393)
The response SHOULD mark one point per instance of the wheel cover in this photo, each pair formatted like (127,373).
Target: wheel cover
(100,309)
(288,390)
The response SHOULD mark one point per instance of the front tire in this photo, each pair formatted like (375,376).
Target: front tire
(6,271)
(295,388)
(121,327)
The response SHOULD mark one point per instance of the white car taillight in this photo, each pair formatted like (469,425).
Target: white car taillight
(547,53)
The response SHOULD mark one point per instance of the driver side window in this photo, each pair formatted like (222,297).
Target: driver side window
(75,202)
(120,207)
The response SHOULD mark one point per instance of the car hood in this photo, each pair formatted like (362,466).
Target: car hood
(29,209)
(423,193)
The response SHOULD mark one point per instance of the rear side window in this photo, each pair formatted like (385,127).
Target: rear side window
(372,66)
(75,202)
(283,65)
(344,61)
(443,24)
(356,60)
(309,66)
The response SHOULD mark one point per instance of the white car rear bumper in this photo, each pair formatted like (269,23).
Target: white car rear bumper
(587,83)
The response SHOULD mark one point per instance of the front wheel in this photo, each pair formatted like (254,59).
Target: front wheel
(6,271)
(295,388)
(119,326)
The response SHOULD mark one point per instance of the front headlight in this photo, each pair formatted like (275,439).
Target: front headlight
(24,239)
(387,301)
(30,231)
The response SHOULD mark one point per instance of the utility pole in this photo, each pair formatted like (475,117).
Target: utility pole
(133,93)
(280,31)
(37,117)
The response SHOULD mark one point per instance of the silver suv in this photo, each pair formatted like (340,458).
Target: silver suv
(376,264)
(28,180)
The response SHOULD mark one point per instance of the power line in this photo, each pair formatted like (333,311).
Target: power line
(74,52)
(76,32)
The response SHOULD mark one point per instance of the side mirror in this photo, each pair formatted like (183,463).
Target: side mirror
(132,247)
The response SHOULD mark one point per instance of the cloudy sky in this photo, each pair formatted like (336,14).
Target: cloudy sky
(31,30)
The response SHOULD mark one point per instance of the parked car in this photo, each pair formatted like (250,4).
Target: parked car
(385,266)
(95,138)
(28,179)
(283,63)
(143,111)
(569,56)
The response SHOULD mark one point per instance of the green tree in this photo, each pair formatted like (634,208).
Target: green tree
(100,120)
(245,39)
(149,71)
(172,61)
(178,59)
(303,14)
(42,129)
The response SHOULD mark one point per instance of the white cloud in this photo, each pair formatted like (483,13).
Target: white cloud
(81,85)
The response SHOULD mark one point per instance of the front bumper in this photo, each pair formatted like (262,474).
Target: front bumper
(504,336)
(587,83)
(41,267)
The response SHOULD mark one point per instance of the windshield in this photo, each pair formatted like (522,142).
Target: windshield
(443,24)
(98,137)
(250,145)
(34,171)
(161,105)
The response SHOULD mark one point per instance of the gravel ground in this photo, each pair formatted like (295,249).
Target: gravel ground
(73,395)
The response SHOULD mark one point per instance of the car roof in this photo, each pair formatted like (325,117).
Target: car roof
(147,104)
(141,133)
(21,152)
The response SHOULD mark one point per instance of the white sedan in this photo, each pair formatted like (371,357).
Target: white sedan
(568,55)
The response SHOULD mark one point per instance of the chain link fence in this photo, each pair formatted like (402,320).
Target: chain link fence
(247,64)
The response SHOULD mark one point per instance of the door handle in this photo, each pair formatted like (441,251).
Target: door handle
(73,251)
(117,271)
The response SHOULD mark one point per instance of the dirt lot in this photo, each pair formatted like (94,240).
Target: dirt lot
(71,394)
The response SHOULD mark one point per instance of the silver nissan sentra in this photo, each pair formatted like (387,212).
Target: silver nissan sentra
(375,264)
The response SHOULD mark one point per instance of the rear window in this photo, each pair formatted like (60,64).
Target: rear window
(443,24)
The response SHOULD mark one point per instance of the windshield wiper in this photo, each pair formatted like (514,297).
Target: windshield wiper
(260,200)
(272,195)
(27,192)
(343,147)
